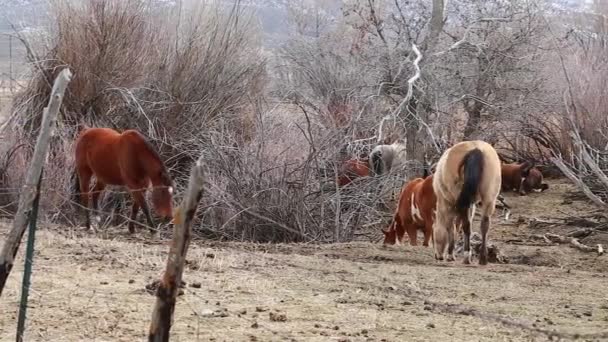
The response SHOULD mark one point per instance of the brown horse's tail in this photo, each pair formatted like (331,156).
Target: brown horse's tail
(473,169)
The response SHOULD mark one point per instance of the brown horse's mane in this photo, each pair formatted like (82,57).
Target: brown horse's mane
(153,151)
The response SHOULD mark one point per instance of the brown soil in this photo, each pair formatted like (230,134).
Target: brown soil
(92,288)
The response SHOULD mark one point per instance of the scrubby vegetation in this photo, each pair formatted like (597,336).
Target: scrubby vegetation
(275,124)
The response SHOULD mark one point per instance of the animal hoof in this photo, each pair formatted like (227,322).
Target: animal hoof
(450,258)
(483,262)
(466,260)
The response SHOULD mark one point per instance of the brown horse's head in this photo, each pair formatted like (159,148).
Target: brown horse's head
(162,194)
(390,236)
(534,181)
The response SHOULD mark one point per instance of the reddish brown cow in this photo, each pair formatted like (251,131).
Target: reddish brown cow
(415,210)
(522,178)
(353,168)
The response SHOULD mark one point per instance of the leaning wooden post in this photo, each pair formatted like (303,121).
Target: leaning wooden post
(166,294)
(11,245)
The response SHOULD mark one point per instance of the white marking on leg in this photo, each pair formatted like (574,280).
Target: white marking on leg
(170,190)
(415,211)
(97,219)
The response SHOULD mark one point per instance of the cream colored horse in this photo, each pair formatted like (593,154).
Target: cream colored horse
(385,158)
(467,172)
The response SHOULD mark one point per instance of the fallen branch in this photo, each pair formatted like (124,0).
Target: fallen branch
(581,233)
(13,240)
(168,289)
(574,243)
(581,185)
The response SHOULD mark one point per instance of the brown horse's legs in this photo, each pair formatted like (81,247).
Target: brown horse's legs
(134,210)
(483,252)
(97,190)
(139,198)
(412,232)
(84,178)
(428,231)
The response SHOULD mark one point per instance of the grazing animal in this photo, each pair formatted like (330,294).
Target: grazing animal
(415,210)
(353,168)
(125,159)
(467,173)
(522,178)
(534,181)
(384,158)
(513,176)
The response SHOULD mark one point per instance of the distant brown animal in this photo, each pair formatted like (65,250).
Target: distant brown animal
(122,159)
(522,178)
(352,169)
(534,181)
(467,173)
(415,210)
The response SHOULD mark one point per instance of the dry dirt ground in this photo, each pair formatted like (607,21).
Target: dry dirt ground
(86,288)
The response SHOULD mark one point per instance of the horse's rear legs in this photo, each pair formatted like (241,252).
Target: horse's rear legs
(84,179)
(483,252)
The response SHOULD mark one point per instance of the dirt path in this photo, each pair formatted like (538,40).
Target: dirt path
(86,288)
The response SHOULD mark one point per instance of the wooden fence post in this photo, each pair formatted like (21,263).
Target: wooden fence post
(29,260)
(28,194)
(168,288)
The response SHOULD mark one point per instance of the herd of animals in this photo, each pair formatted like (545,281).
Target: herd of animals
(467,174)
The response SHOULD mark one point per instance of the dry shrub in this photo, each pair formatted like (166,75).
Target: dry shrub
(256,193)
(192,82)
(174,77)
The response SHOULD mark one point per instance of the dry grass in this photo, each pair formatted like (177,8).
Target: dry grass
(86,287)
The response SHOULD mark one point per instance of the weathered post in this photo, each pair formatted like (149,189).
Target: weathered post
(29,260)
(28,194)
(166,295)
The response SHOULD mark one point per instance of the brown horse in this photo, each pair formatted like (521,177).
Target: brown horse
(534,181)
(467,173)
(415,210)
(513,176)
(353,168)
(522,178)
(125,159)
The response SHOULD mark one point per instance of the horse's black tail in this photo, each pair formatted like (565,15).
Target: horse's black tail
(377,163)
(473,169)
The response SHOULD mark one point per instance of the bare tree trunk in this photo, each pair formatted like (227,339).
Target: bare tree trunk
(168,288)
(414,151)
(474,112)
(11,246)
